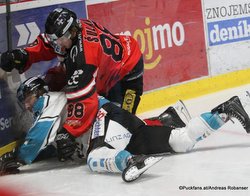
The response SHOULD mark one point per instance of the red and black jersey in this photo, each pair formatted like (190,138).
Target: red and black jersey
(39,50)
(113,55)
(94,64)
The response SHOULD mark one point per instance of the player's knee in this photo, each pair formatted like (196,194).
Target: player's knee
(180,141)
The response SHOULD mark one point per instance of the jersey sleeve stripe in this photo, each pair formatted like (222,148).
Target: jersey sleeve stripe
(81,92)
(84,91)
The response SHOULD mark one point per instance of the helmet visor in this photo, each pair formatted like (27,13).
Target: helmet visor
(53,38)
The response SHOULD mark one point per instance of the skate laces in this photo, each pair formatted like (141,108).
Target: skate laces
(236,112)
(233,108)
(238,117)
(136,160)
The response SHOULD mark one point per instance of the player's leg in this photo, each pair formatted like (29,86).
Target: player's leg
(175,116)
(150,140)
(127,92)
(198,128)
(107,159)
(183,140)
(110,136)
(132,91)
(132,88)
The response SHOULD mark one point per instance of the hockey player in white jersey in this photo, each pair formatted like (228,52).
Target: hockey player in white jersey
(49,112)
(121,142)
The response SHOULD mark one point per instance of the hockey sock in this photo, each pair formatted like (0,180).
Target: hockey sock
(213,120)
(108,160)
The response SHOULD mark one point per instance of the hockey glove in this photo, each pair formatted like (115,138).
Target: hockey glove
(14,59)
(66,145)
(9,164)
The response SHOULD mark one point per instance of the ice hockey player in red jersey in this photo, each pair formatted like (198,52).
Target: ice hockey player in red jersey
(97,62)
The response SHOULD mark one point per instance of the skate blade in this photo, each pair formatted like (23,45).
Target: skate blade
(134,173)
(182,111)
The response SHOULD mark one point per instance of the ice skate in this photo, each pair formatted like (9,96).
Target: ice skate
(137,165)
(234,108)
(182,111)
(175,116)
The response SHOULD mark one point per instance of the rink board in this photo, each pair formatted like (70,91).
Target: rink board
(167,96)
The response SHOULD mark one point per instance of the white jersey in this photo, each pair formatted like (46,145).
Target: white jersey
(49,115)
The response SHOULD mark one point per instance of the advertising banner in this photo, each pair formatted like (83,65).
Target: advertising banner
(228,35)
(3,31)
(7,110)
(170,34)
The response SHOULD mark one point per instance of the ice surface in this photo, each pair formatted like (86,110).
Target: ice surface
(220,161)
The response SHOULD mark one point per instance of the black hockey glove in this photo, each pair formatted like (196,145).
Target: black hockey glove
(14,59)
(66,145)
(9,163)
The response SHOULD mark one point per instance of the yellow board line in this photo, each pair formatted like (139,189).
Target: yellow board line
(9,147)
(169,95)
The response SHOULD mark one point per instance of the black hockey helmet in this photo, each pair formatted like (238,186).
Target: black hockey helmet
(59,21)
(30,86)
